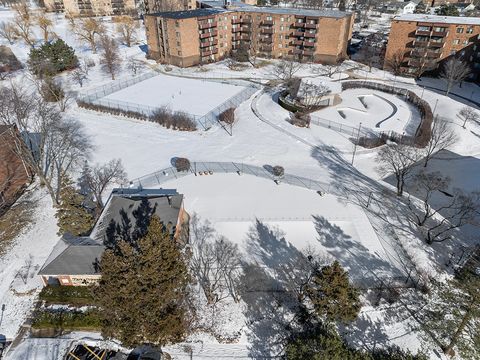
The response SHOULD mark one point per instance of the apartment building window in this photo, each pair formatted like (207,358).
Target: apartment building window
(469,30)
(234,17)
(282,19)
(439,29)
(177,34)
(465,42)
(423,28)
(179,53)
(281,37)
(177,23)
(456,42)
(280,46)
(421,38)
(281,28)
(459,30)
(225,27)
(178,43)
(269,18)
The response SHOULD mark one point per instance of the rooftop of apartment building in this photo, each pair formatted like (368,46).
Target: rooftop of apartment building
(438,19)
(253,9)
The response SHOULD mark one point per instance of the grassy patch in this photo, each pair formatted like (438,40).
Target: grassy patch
(14,221)
(67,295)
(67,320)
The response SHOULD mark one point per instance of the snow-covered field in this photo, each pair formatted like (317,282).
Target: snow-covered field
(297,217)
(196,97)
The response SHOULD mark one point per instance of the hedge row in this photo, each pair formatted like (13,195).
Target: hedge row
(424,130)
(175,120)
(67,320)
(67,295)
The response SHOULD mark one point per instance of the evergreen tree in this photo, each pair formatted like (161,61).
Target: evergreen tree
(72,216)
(447,10)
(420,8)
(52,58)
(451,317)
(341,5)
(332,296)
(143,290)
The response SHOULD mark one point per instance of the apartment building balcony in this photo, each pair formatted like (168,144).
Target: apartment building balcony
(207,25)
(236,29)
(307,53)
(420,43)
(208,43)
(265,39)
(422,32)
(299,24)
(439,33)
(208,52)
(299,33)
(236,21)
(266,31)
(433,54)
(310,26)
(208,34)
(415,63)
(296,42)
(295,52)
(267,48)
(308,43)
(436,44)
(245,29)
(417,53)
(267,23)
(309,35)
(246,21)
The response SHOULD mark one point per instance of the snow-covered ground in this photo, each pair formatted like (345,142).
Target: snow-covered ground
(298,216)
(196,97)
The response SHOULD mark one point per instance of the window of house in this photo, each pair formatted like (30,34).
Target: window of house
(456,42)
(459,30)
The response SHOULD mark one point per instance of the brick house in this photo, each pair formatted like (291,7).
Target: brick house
(14,174)
(187,38)
(75,260)
(425,41)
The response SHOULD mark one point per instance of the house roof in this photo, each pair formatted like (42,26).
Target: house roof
(124,205)
(74,256)
(461,20)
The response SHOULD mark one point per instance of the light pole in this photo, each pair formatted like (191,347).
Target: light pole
(423,90)
(356,142)
(435,108)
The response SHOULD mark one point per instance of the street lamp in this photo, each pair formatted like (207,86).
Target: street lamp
(356,142)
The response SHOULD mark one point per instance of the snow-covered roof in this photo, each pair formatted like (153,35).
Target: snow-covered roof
(187,14)
(296,11)
(438,19)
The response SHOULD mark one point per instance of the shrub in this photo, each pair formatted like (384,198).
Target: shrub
(176,120)
(228,116)
(67,295)
(300,119)
(52,58)
(67,319)
(278,170)
(105,109)
(182,164)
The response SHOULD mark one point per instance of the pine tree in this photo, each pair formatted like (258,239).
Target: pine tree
(332,295)
(72,216)
(143,290)
(420,8)
(52,58)
(451,317)
(447,10)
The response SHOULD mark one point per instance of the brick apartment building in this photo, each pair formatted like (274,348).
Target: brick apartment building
(14,175)
(188,38)
(91,7)
(425,41)
(152,6)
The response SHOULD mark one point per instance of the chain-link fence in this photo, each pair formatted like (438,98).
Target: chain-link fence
(341,128)
(97,97)
(207,168)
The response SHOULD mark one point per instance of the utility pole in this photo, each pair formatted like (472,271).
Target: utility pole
(435,108)
(356,142)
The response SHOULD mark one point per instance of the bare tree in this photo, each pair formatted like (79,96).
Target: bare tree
(110,60)
(326,70)
(127,28)
(425,186)
(394,63)
(97,179)
(442,137)
(453,72)
(78,76)
(22,23)
(469,114)
(215,262)
(134,65)
(285,70)
(7,31)
(88,30)
(463,209)
(49,145)
(398,159)
(45,25)
(311,95)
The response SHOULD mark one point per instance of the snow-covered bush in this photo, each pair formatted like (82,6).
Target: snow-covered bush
(299,119)
(176,120)
(182,164)
(228,116)
(113,111)
(278,170)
